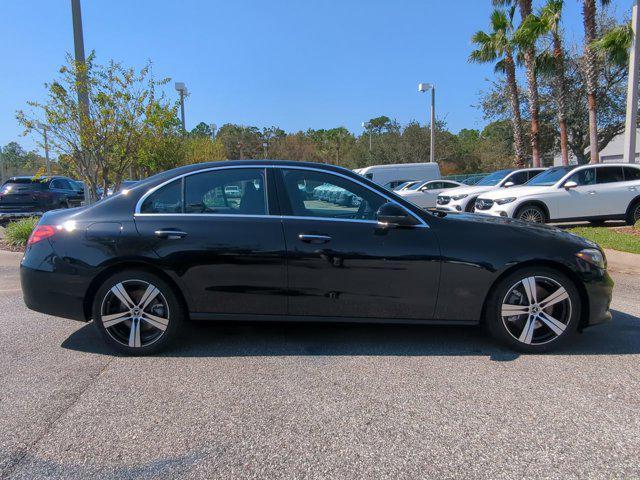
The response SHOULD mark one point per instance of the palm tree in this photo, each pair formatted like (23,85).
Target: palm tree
(498,46)
(529,53)
(591,71)
(547,22)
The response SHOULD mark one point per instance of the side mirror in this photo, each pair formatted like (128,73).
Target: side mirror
(570,185)
(509,184)
(391,215)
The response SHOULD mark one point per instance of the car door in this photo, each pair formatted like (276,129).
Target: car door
(341,263)
(429,194)
(613,198)
(226,250)
(582,200)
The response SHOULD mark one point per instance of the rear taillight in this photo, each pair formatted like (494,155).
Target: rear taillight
(40,233)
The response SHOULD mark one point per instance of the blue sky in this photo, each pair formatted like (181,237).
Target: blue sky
(295,64)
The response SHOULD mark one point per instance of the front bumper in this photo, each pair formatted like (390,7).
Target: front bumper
(449,208)
(599,289)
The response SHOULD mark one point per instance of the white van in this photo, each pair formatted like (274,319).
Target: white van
(390,176)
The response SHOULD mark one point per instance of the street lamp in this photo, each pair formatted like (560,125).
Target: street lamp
(265,145)
(632,90)
(213,128)
(425,87)
(43,127)
(182,89)
(366,126)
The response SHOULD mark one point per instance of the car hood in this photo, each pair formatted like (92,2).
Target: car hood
(518,192)
(466,191)
(522,229)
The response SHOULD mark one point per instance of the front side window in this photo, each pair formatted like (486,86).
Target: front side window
(167,199)
(584,177)
(228,191)
(323,195)
(519,178)
(494,178)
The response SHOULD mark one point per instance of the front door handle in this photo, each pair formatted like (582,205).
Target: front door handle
(315,239)
(170,234)
(591,192)
(633,189)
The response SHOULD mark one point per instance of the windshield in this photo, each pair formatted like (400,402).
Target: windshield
(494,178)
(549,177)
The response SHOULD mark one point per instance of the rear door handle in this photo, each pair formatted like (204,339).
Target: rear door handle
(591,192)
(170,234)
(633,189)
(315,239)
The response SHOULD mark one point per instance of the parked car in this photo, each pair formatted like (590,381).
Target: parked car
(393,175)
(406,185)
(425,194)
(463,199)
(28,196)
(590,192)
(392,185)
(139,264)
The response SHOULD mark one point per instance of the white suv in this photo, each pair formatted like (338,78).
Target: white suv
(463,199)
(589,192)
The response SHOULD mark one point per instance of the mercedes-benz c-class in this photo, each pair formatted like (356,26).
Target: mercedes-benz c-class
(259,240)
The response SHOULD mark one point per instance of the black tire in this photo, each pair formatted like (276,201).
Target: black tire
(527,213)
(64,204)
(510,330)
(471,206)
(154,334)
(633,214)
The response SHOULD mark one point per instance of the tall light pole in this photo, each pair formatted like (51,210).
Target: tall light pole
(632,91)
(46,148)
(81,77)
(367,127)
(213,128)
(425,87)
(182,89)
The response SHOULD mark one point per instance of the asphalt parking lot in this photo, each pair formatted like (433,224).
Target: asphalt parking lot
(316,401)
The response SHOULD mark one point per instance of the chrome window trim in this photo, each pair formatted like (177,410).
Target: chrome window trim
(137,212)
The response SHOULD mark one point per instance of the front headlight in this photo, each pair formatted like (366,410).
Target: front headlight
(459,197)
(502,201)
(593,256)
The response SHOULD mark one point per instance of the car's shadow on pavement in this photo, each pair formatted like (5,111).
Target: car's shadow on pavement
(233,339)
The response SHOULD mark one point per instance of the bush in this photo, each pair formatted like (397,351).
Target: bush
(17,233)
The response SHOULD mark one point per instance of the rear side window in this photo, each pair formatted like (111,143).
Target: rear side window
(167,199)
(609,174)
(631,174)
(238,191)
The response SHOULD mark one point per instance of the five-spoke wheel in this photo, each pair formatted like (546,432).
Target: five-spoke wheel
(136,312)
(534,309)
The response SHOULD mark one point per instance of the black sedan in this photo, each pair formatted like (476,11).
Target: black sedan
(27,196)
(179,246)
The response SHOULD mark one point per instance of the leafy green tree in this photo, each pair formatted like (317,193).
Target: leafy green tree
(103,143)
(201,130)
(498,46)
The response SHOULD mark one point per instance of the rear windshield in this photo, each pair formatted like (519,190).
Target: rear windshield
(23,184)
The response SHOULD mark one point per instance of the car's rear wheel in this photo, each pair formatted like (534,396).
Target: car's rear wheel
(136,312)
(531,213)
(633,215)
(534,309)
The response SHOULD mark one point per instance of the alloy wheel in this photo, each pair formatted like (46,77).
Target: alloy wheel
(636,213)
(532,215)
(536,310)
(135,313)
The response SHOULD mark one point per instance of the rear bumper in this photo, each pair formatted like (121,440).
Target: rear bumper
(53,293)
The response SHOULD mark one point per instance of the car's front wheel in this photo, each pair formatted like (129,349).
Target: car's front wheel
(633,215)
(136,312)
(534,309)
(531,213)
